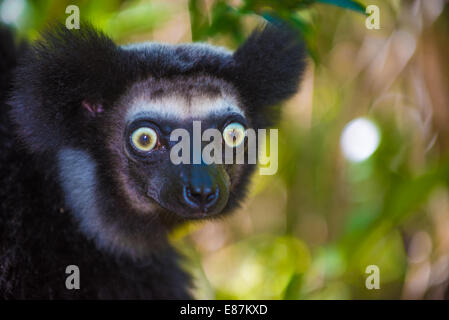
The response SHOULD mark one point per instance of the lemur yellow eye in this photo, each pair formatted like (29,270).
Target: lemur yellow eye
(144,139)
(234,134)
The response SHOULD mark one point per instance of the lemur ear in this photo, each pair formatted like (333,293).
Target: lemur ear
(62,81)
(73,65)
(269,66)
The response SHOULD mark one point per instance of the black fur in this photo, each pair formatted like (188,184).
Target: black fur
(38,237)
(268,69)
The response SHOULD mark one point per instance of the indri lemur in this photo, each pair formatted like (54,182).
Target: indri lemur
(85,173)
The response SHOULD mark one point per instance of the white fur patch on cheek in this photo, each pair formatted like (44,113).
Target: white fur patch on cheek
(77,175)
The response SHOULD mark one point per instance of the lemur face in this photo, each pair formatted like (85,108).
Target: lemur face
(150,112)
(107,113)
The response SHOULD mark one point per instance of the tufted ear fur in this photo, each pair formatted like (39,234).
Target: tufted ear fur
(268,69)
(64,78)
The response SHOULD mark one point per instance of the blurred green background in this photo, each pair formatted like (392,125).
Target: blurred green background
(363,160)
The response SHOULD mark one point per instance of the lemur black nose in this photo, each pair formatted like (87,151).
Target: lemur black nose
(201,197)
(201,189)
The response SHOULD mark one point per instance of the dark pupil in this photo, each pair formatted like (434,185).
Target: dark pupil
(144,139)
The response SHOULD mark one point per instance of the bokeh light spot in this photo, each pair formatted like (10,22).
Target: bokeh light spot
(359,140)
(11,11)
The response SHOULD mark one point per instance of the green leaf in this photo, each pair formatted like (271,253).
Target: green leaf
(348,4)
(198,19)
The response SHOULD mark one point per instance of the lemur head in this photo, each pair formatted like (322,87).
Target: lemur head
(106,114)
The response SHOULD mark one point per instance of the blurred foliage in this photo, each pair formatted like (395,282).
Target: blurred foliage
(310,231)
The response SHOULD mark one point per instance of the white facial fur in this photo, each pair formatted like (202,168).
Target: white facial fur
(77,174)
(181,98)
(178,107)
